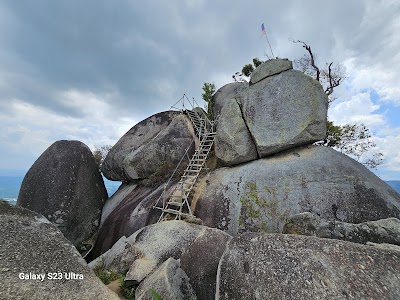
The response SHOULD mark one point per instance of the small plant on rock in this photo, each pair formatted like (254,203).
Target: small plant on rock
(259,206)
(105,276)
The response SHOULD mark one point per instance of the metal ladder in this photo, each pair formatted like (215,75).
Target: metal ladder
(178,204)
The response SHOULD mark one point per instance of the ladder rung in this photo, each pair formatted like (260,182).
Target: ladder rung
(176,196)
(196,160)
(175,203)
(192,170)
(176,212)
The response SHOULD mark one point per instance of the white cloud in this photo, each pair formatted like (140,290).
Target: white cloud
(41,127)
(359,109)
(389,146)
(381,78)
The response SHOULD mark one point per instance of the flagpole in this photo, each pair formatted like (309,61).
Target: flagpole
(266,37)
(270,46)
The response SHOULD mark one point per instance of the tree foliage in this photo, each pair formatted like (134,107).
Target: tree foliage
(100,154)
(354,140)
(247,70)
(208,97)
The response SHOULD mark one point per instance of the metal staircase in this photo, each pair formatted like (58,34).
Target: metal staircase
(177,206)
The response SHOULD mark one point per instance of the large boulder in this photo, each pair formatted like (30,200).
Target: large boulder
(380,231)
(31,247)
(269,68)
(261,195)
(160,155)
(275,266)
(64,184)
(233,142)
(284,111)
(169,281)
(140,134)
(228,91)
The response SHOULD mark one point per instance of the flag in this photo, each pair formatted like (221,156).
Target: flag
(263,29)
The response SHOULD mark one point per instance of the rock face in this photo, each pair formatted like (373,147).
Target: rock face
(225,93)
(200,261)
(159,139)
(29,243)
(169,281)
(284,111)
(273,266)
(233,143)
(381,231)
(128,210)
(163,152)
(263,194)
(65,185)
(269,68)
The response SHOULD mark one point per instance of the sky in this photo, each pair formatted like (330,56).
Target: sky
(90,70)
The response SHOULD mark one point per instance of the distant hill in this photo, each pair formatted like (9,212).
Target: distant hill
(395,184)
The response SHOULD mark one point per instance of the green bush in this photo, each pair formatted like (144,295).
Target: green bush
(128,292)
(105,276)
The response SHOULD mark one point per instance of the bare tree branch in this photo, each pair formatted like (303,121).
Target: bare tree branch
(312,60)
(334,80)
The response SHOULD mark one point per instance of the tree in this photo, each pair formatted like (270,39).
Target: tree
(354,140)
(247,70)
(330,77)
(100,154)
(208,97)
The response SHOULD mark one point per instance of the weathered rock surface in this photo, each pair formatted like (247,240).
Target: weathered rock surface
(139,270)
(269,68)
(138,135)
(233,142)
(111,203)
(262,195)
(385,246)
(200,261)
(275,266)
(228,91)
(128,210)
(29,243)
(284,111)
(158,242)
(65,185)
(380,231)
(162,153)
(169,281)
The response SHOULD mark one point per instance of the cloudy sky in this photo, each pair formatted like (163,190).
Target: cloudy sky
(89,70)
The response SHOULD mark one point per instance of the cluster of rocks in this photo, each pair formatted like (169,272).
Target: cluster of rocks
(282,218)
(198,262)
